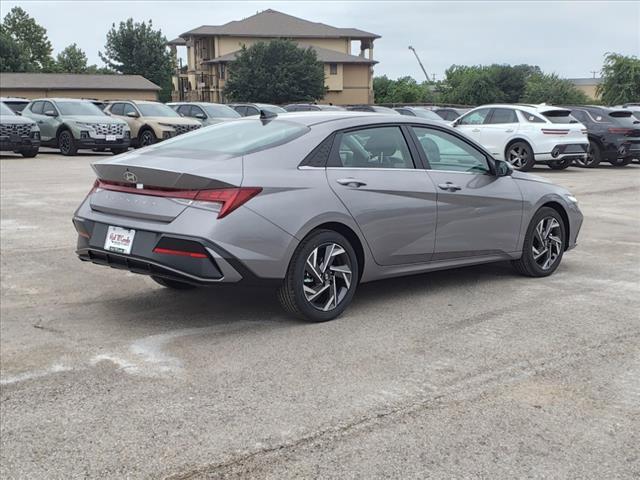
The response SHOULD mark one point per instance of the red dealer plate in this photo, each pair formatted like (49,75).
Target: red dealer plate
(119,240)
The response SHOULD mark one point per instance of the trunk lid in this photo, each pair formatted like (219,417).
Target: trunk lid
(168,170)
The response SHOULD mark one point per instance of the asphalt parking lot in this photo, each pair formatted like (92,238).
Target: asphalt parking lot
(472,373)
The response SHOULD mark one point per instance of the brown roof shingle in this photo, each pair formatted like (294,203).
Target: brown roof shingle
(75,81)
(271,23)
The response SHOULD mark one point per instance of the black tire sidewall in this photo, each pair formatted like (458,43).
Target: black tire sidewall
(152,135)
(531,161)
(526,249)
(559,164)
(71,150)
(295,274)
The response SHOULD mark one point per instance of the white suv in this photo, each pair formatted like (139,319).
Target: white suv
(525,134)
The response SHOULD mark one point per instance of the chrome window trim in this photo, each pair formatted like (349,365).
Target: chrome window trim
(307,167)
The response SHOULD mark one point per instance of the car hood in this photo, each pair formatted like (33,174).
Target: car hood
(91,119)
(171,120)
(15,120)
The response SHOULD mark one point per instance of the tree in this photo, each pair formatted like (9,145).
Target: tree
(12,57)
(138,49)
(402,90)
(30,41)
(473,85)
(72,60)
(620,79)
(275,72)
(544,88)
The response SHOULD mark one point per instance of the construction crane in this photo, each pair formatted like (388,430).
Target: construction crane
(419,62)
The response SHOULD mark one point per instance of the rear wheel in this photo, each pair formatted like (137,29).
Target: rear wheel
(543,244)
(173,284)
(321,279)
(118,151)
(593,158)
(621,162)
(66,143)
(560,164)
(520,156)
(147,137)
(30,153)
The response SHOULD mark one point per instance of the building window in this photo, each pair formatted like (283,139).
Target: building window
(222,71)
(333,69)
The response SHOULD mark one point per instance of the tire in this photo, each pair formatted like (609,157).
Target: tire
(66,143)
(593,158)
(313,297)
(30,153)
(520,156)
(560,164)
(118,151)
(173,284)
(542,262)
(621,162)
(146,137)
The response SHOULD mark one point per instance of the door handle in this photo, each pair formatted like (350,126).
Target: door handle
(509,130)
(450,187)
(351,182)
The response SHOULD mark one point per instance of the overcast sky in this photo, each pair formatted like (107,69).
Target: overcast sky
(568,38)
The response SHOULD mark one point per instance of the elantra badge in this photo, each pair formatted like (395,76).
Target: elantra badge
(130,177)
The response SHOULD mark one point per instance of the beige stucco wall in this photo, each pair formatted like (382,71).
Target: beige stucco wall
(231,44)
(333,82)
(589,91)
(97,94)
(347,97)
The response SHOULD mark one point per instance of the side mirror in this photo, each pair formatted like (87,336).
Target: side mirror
(503,169)
(200,116)
(50,113)
(132,114)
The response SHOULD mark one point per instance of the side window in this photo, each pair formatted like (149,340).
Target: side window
(117,109)
(195,111)
(476,117)
(531,118)
(47,107)
(184,110)
(241,109)
(37,107)
(447,152)
(127,107)
(381,147)
(580,116)
(252,111)
(503,115)
(448,115)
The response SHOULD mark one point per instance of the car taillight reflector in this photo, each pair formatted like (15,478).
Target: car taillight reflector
(554,131)
(619,130)
(179,253)
(228,198)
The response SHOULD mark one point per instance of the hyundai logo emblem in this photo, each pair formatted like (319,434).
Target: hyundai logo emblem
(130,177)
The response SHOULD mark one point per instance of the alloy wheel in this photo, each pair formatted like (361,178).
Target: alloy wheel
(147,139)
(547,242)
(64,142)
(518,156)
(327,276)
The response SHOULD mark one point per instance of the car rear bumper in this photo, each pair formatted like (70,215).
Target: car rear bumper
(563,151)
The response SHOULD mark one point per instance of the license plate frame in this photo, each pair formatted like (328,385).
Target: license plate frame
(110,138)
(119,240)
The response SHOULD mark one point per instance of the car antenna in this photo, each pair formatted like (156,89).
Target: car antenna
(266,115)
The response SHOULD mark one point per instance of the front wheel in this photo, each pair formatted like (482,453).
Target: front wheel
(520,156)
(321,279)
(66,143)
(118,151)
(621,162)
(543,244)
(560,164)
(147,137)
(30,153)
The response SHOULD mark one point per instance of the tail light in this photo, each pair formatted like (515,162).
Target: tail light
(555,131)
(179,253)
(622,131)
(228,199)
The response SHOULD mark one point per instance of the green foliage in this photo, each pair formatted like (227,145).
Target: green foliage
(137,49)
(620,79)
(471,85)
(402,90)
(275,72)
(26,42)
(551,89)
(72,60)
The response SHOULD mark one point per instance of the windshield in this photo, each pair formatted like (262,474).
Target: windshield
(156,110)
(235,138)
(221,111)
(4,110)
(428,114)
(625,118)
(559,116)
(79,108)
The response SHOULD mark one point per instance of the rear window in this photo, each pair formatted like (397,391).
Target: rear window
(624,118)
(531,118)
(559,116)
(236,138)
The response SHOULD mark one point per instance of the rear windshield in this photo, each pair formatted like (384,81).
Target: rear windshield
(4,110)
(78,108)
(236,137)
(156,110)
(625,118)
(221,111)
(559,116)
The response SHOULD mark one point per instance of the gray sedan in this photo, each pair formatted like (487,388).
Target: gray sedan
(316,203)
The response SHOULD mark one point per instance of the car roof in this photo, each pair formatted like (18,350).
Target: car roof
(14,99)
(62,99)
(348,118)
